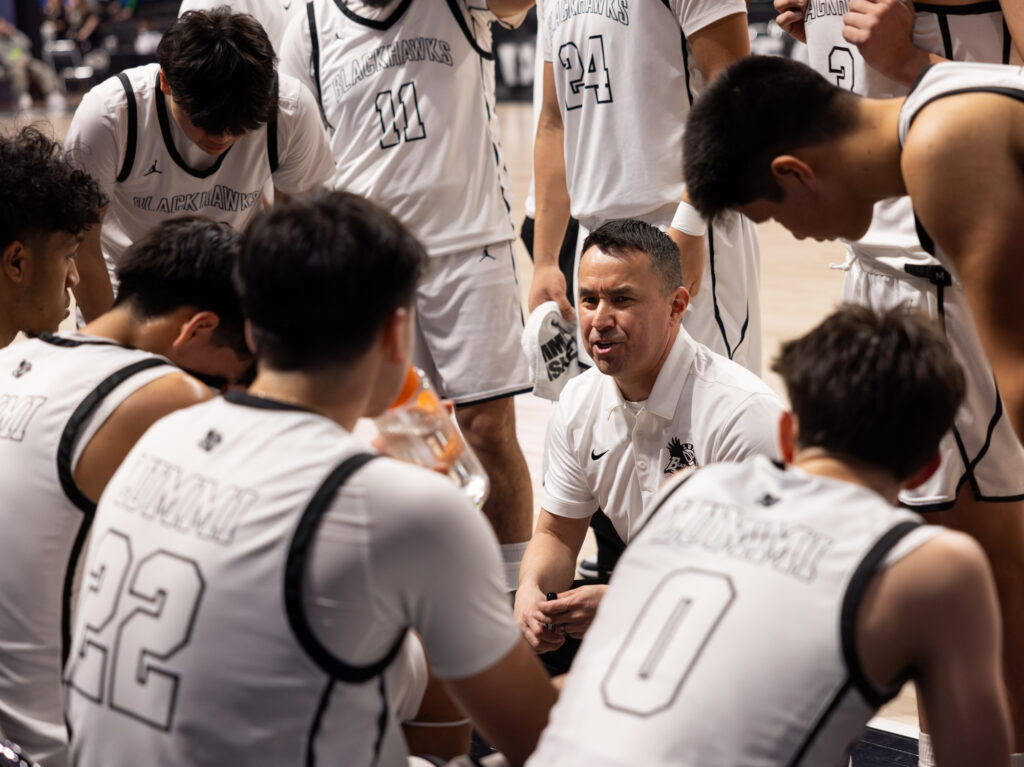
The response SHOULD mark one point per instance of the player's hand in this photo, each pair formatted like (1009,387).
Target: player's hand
(549,285)
(882,31)
(574,610)
(791,18)
(535,629)
(691,257)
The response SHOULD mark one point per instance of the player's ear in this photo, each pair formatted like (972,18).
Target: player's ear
(196,327)
(790,170)
(165,87)
(396,335)
(923,474)
(250,338)
(788,430)
(15,261)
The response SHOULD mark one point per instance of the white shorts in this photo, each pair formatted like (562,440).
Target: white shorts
(725,315)
(469,322)
(982,450)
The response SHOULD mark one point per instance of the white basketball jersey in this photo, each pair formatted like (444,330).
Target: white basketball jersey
(625,78)
(408,98)
(973,32)
(157,175)
(229,531)
(55,392)
(727,634)
(273,15)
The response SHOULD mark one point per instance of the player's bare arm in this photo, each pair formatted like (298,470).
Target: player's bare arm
(1013,12)
(953,183)
(934,615)
(552,196)
(714,47)
(93,293)
(509,702)
(882,30)
(510,11)
(791,18)
(111,443)
(548,566)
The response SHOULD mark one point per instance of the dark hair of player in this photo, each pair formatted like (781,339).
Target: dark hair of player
(880,389)
(319,276)
(618,236)
(186,261)
(220,68)
(42,193)
(757,109)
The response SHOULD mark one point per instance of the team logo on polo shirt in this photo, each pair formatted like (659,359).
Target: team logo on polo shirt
(680,454)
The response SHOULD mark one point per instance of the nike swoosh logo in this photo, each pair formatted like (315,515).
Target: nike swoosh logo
(594,456)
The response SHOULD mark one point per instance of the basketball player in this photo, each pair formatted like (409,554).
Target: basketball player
(406,90)
(289,589)
(46,205)
(71,406)
(199,132)
(811,177)
(273,15)
(655,402)
(608,148)
(877,49)
(765,611)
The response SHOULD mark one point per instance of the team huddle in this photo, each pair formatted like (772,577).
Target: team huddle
(201,564)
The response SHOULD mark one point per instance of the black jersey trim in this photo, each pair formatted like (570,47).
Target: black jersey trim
(379,24)
(1013,93)
(1007,42)
(920,77)
(314,62)
(318,720)
(272,129)
(494,397)
(65,473)
(971,9)
(947,38)
(295,568)
(165,130)
(730,350)
(851,603)
(685,478)
(55,340)
(461,20)
(819,725)
(382,719)
(133,127)
(245,399)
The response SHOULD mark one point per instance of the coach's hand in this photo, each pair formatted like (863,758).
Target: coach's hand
(549,285)
(532,623)
(574,610)
(791,18)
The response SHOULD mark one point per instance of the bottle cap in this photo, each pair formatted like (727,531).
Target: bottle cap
(409,388)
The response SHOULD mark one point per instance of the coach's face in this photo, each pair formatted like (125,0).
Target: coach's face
(627,323)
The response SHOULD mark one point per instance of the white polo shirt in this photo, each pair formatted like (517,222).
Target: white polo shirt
(604,452)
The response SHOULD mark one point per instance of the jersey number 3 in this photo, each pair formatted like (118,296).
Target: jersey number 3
(666,641)
(124,657)
(587,72)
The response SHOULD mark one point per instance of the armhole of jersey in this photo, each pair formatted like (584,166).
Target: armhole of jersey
(923,237)
(272,129)
(314,61)
(295,568)
(453,5)
(851,603)
(133,128)
(686,477)
(71,490)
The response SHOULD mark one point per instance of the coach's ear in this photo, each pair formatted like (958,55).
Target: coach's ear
(789,171)
(787,436)
(923,474)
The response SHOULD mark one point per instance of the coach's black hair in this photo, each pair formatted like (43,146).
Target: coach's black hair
(620,235)
(186,261)
(319,277)
(42,192)
(758,108)
(220,69)
(878,388)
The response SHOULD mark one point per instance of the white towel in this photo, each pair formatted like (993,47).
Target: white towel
(550,345)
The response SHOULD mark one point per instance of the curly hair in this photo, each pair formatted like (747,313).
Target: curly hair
(43,193)
(220,69)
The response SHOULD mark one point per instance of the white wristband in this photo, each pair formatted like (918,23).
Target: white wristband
(689,221)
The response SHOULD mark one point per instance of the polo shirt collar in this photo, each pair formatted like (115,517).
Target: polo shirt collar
(665,395)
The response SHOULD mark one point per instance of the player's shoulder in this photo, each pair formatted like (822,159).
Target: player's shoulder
(399,488)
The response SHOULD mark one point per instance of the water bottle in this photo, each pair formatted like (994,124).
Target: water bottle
(417,428)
